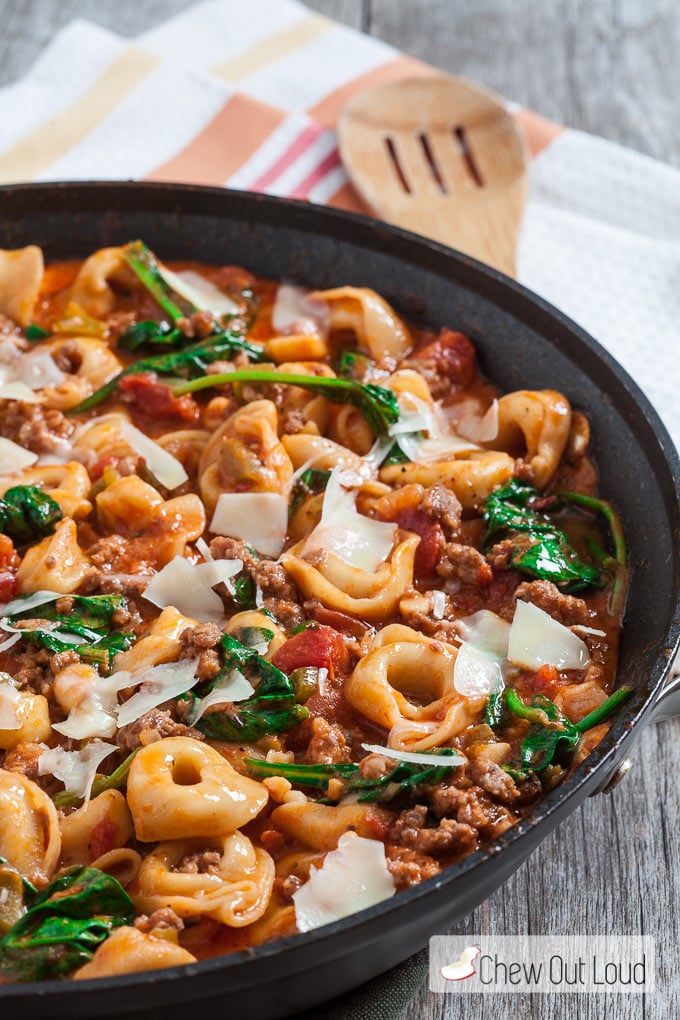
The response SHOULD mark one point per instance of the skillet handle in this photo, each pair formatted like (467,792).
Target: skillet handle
(668,703)
(667,707)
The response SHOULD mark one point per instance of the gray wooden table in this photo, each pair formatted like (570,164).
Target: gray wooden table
(610,67)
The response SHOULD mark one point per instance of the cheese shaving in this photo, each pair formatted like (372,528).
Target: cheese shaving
(188,587)
(258,518)
(75,769)
(162,465)
(359,541)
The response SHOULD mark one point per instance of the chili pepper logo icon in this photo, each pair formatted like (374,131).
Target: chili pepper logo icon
(463,967)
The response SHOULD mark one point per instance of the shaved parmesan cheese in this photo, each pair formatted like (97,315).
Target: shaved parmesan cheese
(204,550)
(13,458)
(351,878)
(18,391)
(25,602)
(157,684)
(258,518)
(294,312)
(322,681)
(486,631)
(415,757)
(38,369)
(162,465)
(45,625)
(75,769)
(188,587)
(480,430)
(10,699)
(422,431)
(537,640)
(438,604)
(579,628)
(360,541)
(477,673)
(233,687)
(93,714)
(4,645)
(201,293)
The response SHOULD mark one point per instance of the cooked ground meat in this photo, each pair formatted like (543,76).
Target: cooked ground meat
(417,611)
(500,554)
(37,428)
(288,613)
(375,766)
(465,563)
(492,778)
(327,744)
(287,887)
(200,862)
(60,660)
(98,582)
(271,577)
(33,671)
(471,807)
(152,726)
(408,867)
(450,837)
(443,506)
(293,422)
(201,641)
(24,758)
(165,917)
(567,609)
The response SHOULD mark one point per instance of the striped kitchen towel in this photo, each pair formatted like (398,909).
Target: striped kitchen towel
(218,96)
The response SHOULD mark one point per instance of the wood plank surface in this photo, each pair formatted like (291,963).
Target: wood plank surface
(610,67)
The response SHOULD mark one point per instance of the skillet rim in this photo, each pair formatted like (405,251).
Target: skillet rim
(375,235)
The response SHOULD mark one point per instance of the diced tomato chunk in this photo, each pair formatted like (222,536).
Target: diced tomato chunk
(103,837)
(153,399)
(8,586)
(452,356)
(431,540)
(322,647)
(542,681)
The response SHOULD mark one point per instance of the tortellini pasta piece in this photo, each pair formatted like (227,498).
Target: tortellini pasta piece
(350,428)
(91,289)
(186,446)
(160,644)
(358,592)
(29,828)
(129,951)
(134,508)
(320,826)
(235,892)
(296,347)
(95,829)
(178,785)
(245,453)
(67,484)
(534,425)
(21,273)
(57,563)
(378,328)
(33,714)
(321,453)
(472,476)
(91,364)
(255,619)
(405,685)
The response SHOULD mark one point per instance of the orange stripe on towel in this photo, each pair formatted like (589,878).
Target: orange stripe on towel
(329,107)
(231,137)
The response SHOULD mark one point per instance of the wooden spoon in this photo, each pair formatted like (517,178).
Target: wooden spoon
(441,157)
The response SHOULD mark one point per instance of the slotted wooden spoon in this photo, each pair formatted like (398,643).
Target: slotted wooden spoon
(441,157)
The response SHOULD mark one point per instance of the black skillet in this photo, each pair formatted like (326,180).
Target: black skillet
(523,343)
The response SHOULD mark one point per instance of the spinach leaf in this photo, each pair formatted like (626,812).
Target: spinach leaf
(378,404)
(187,363)
(549,732)
(64,925)
(90,617)
(403,782)
(272,709)
(28,514)
(541,549)
(310,482)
